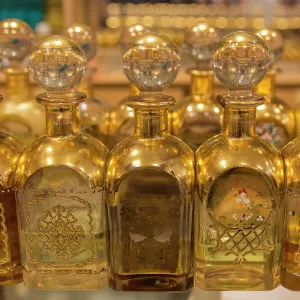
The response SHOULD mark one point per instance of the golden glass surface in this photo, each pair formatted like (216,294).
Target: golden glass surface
(197,117)
(20,115)
(239,181)
(94,112)
(150,182)
(275,118)
(10,258)
(122,116)
(60,181)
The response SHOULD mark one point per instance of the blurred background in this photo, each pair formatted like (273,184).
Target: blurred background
(171,18)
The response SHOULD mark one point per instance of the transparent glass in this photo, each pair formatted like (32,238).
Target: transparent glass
(10,259)
(197,117)
(239,210)
(60,182)
(20,114)
(95,113)
(290,273)
(149,186)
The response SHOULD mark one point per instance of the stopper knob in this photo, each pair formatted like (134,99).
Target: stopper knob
(16,40)
(241,60)
(85,37)
(128,34)
(275,43)
(152,62)
(199,42)
(57,63)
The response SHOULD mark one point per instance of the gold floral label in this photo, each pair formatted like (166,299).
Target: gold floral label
(4,247)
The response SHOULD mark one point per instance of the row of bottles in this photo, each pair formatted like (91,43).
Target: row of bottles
(150,215)
(194,119)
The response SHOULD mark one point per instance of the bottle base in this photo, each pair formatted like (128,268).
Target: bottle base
(290,281)
(12,277)
(151,283)
(66,281)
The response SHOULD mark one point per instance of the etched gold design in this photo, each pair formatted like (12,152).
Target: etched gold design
(239,240)
(298,252)
(60,233)
(4,247)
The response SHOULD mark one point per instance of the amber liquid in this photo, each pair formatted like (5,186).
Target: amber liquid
(150,235)
(10,260)
(290,273)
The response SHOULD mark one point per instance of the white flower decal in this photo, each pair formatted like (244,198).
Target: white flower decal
(260,218)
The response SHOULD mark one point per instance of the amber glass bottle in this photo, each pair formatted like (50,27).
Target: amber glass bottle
(94,112)
(238,226)
(275,119)
(60,181)
(20,115)
(197,117)
(149,182)
(10,259)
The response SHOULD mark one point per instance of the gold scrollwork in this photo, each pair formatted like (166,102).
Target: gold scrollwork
(4,246)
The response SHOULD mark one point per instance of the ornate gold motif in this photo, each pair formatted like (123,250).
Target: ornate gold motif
(298,252)
(4,247)
(239,240)
(60,233)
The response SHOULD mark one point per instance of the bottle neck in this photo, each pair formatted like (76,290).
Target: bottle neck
(85,86)
(133,91)
(201,85)
(239,123)
(62,119)
(266,87)
(151,124)
(17,84)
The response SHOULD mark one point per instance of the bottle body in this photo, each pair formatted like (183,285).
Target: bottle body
(238,208)
(60,206)
(149,209)
(10,258)
(290,273)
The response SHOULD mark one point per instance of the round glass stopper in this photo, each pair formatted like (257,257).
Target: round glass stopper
(241,60)
(16,40)
(85,37)
(275,42)
(57,63)
(152,62)
(128,34)
(199,42)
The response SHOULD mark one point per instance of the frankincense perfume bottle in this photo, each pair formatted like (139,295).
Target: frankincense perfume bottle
(150,181)
(275,119)
(20,115)
(122,116)
(197,117)
(94,112)
(10,258)
(60,181)
(238,218)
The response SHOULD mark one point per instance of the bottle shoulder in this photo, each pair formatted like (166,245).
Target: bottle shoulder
(292,150)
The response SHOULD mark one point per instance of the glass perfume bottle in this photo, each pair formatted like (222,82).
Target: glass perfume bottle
(197,117)
(60,181)
(10,259)
(149,182)
(20,115)
(238,218)
(275,119)
(94,112)
(122,116)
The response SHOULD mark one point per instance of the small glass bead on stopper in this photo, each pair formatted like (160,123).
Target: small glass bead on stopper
(199,43)
(240,61)
(58,64)
(151,63)
(85,37)
(16,41)
(275,43)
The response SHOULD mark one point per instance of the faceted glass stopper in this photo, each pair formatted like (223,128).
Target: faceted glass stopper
(199,42)
(275,43)
(152,62)
(241,60)
(85,37)
(57,63)
(128,34)
(16,40)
